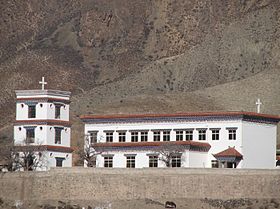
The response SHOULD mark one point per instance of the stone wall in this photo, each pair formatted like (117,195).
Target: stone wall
(103,185)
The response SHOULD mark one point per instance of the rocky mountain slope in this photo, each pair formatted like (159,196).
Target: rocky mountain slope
(142,56)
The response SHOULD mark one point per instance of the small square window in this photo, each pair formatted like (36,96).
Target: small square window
(108,161)
(215,134)
(122,136)
(166,135)
(202,135)
(156,136)
(232,134)
(153,161)
(144,136)
(215,163)
(130,161)
(109,136)
(176,160)
(179,135)
(189,135)
(134,136)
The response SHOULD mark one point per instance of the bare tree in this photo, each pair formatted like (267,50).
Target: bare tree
(23,156)
(167,151)
(87,153)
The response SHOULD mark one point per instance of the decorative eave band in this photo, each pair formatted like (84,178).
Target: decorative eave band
(44,122)
(42,99)
(177,117)
(41,148)
(190,145)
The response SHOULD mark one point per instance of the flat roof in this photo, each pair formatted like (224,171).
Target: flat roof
(187,115)
(38,92)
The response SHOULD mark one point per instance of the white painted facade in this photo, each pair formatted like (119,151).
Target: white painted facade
(47,124)
(255,137)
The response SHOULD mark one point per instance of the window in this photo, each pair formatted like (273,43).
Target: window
(215,134)
(93,137)
(108,161)
(134,136)
(153,161)
(179,135)
(176,160)
(144,136)
(31,111)
(201,134)
(109,137)
(57,139)
(156,136)
(189,135)
(232,134)
(121,136)
(57,111)
(59,161)
(130,161)
(30,135)
(215,163)
(166,135)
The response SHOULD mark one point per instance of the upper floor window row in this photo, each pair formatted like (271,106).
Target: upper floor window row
(32,110)
(165,135)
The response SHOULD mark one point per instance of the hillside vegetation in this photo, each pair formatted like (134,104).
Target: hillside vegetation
(128,56)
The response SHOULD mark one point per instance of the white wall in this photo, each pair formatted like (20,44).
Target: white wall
(47,111)
(52,161)
(216,146)
(259,145)
(44,136)
(198,159)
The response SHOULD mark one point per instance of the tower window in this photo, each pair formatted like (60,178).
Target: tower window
(57,139)
(31,111)
(30,135)
(57,111)
(59,161)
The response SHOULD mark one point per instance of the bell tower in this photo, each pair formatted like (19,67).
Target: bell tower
(42,119)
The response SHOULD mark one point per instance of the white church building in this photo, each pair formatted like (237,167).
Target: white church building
(205,139)
(42,119)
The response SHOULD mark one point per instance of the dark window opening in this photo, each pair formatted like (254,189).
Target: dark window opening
(130,161)
(57,139)
(108,161)
(153,161)
(59,161)
(31,111)
(57,111)
(30,135)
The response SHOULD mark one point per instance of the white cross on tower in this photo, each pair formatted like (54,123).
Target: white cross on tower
(258,103)
(43,83)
